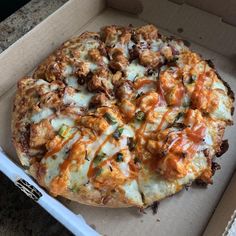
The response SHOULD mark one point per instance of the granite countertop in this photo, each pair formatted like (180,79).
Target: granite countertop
(19,215)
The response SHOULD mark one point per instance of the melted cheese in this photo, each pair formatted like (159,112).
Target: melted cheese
(223,110)
(43,114)
(41,81)
(58,122)
(53,163)
(132,192)
(68,70)
(219,85)
(135,70)
(72,81)
(79,177)
(80,99)
(128,131)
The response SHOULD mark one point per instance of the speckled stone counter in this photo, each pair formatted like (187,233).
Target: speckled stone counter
(24,19)
(19,215)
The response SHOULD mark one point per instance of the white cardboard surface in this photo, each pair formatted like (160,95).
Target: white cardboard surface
(186,213)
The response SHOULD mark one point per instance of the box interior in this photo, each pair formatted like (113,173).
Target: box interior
(197,204)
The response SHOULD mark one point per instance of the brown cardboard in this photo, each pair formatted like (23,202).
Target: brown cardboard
(224,210)
(186,213)
(195,24)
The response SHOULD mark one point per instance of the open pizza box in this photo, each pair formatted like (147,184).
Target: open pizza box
(210,27)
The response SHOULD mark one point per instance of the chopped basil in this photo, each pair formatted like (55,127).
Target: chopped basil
(119,157)
(110,119)
(98,158)
(64,131)
(118,132)
(140,115)
(131,144)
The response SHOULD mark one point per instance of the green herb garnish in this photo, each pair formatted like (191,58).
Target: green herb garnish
(110,119)
(118,132)
(119,157)
(64,131)
(140,115)
(98,158)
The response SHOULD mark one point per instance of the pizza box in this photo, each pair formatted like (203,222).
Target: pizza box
(210,29)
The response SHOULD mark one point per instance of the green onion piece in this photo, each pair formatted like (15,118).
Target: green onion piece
(110,119)
(118,132)
(131,144)
(140,115)
(98,158)
(64,131)
(119,157)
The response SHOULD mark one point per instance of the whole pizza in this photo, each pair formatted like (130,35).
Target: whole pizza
(122,117)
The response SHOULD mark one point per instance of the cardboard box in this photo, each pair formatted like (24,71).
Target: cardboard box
(211,24)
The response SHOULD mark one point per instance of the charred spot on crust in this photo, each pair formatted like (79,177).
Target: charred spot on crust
(214,167)
(24,138)
(201,183)
(210,63)
(154,207)
(223,148)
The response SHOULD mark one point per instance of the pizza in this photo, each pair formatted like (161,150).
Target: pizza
(123,117)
